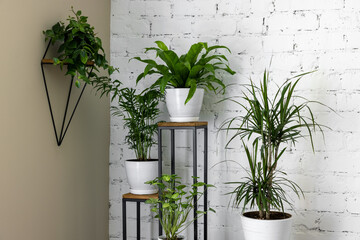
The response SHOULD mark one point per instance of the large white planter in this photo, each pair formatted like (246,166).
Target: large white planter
(255,229)
(139,172)
(178,110)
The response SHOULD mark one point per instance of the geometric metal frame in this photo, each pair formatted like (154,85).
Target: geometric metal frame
(64,128)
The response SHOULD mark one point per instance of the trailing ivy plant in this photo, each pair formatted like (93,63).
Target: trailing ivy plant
(139,112)
(80,47)
(175,203)
(270,124)
(199,67)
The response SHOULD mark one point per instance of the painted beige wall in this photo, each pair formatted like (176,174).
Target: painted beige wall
(46,191)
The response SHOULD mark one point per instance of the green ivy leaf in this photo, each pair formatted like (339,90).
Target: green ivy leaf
(78,44)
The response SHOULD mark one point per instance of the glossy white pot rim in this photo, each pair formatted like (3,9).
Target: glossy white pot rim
(180,237)
(137,160)
(267,220)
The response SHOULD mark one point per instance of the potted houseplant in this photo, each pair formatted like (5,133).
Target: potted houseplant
(270,124)
(174,204)
(183,79)
(139,112)
(79,49)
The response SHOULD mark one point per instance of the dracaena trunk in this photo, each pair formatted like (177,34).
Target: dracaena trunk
(270,170)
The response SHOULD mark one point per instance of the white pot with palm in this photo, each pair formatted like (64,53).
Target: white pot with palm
(139,112)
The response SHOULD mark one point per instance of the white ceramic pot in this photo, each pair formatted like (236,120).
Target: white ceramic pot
(255,229)
(178,110)
(164,237)
(138,172)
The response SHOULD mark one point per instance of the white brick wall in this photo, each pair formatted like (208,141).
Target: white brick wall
(298,35)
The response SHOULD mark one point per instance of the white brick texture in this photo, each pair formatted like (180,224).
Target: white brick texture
(295,36)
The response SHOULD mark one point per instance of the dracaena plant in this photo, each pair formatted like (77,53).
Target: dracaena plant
(175,203)
(139,112)
(199,67)
(270,124)
(78,47)
(264,186)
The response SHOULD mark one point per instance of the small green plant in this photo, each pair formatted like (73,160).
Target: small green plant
(139,112)
(188,70)
(175,203)
(79,46)
(270,123)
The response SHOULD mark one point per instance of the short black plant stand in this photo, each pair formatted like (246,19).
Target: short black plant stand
(194,126)
(129,197)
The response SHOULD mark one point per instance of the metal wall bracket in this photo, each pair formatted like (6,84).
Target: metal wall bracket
(65,124)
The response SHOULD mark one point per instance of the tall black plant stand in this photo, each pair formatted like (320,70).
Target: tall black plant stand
(194,126)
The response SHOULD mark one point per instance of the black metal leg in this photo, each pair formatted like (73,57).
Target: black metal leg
(205,181)
(160,170)
(138,220)
(124,218)
(195,180)
(172,151)
(159,152)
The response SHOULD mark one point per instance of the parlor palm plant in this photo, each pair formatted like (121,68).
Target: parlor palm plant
(270,123)
(139,112)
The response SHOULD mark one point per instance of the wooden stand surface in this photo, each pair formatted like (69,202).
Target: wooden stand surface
(182,124)
(51,61)
(140,197)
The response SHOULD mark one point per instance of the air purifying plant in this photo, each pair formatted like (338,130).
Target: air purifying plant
(175,203)
(79,47)
(271,124)
(199,67)
(139,112)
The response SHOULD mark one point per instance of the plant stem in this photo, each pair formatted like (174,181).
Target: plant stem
(270,170)
(261,212)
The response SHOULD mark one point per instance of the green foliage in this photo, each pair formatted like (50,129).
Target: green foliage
(78,46)
(176,201)
(264,186)
(188,70)
(271,122)
(139,112)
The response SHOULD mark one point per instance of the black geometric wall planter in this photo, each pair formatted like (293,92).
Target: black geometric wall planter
(65,124)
